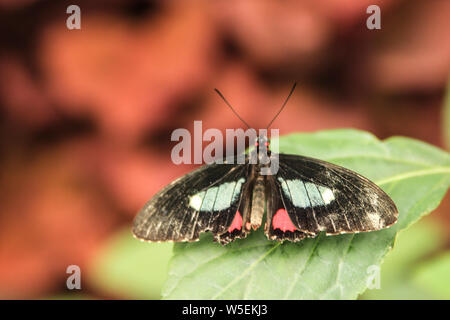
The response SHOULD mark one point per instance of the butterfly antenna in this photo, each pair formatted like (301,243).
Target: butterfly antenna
(284,104)
(229,105)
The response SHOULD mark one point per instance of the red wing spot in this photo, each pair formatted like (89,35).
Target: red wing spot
(282,221)
(237,223)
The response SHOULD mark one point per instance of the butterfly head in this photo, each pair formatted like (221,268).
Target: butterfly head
(262,142)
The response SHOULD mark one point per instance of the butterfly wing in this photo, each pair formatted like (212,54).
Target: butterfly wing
(278,223)
(206,199)
(320,196)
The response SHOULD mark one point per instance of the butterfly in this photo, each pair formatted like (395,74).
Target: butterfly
(304,197)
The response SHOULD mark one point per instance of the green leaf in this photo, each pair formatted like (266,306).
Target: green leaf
(411,246)
(414,174)
(434,276)
(128,268)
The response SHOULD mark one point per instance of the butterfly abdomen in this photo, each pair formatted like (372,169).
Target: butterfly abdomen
(258,203)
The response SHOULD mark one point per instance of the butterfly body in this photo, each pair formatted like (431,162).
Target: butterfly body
(304,197)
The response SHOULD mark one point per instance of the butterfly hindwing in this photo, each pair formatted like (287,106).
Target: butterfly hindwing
(320,196)
(279,225)
(236,229)
(206,199)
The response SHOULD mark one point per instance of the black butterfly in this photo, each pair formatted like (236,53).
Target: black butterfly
(304,197)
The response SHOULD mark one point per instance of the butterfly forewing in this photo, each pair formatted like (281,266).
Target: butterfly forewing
(207,199)
(320,196)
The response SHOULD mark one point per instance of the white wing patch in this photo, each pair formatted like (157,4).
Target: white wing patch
(376,221)
(306,194)
(295,191)
(327,194)
(314,195)
(196,200)
(217,198)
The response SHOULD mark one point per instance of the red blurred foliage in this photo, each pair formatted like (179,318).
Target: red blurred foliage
(272,32)
(25,103)
(12,4)
(52,216)
(413,53)
(126,75)
(87,114)
(257,104)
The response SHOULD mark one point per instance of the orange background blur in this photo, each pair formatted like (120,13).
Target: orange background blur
(86,115)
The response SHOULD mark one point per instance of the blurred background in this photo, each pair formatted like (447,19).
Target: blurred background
(86,117)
